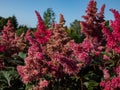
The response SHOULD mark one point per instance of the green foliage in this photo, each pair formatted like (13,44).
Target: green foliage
(22,55)
(9,79)
(75,25)
(49,17)
(28,87)
(74,31)
(14,22)
(91,85)
(3,22)
(21,29)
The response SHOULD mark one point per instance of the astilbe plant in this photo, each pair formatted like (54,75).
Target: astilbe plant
(11,43)
(59,51)
(59,39)
(10,48)
(113,37)
(43,69)
(6,40)
(7,36)
(42,34)
(10,39)
(92,27)
(53,61)
(111,69)
(94,42)
(35,64)
(88,52)
(111,82)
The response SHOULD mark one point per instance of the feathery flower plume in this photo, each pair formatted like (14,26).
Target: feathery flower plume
(113,37)
(42,35)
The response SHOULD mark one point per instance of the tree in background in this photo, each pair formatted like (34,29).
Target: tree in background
(75,25)
(75,31)
(21,29)
(13,20)
(49,17)
(2,22)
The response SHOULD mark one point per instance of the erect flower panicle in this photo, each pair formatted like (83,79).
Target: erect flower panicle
(113,37)
(59,41)
(33,63)
(40,25)
(8,34)
(42,35)
(92,26)
(111,83)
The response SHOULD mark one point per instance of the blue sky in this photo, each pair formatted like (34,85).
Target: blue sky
(71,9)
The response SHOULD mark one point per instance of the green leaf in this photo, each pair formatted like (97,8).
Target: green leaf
(22,55)
(28,87)
(7,76)
(86,84)
(91,85)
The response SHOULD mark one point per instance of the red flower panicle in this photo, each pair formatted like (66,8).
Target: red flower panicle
(32,70)
(110,83)
(113,37)
(8,34)
(42,35)
(82,51)
(35,64)
(92,27)
(2,48)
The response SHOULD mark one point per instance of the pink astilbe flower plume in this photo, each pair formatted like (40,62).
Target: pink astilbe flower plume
(112,83)
(59,41)
(32,69)
(8,34)
(2,48)
(10,40)
(92,27)
(113,37)
(59,51)
(40,25)
(42,35)
(36,66)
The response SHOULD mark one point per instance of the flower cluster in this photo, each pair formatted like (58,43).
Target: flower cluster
(36,63)
(8,34)
(93,44)
(12,43)
(33,63)
(82,51)
(112,36)
(42,35)
(53,58)
(92,27)
(58,49)
(111,83)
(59,41)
